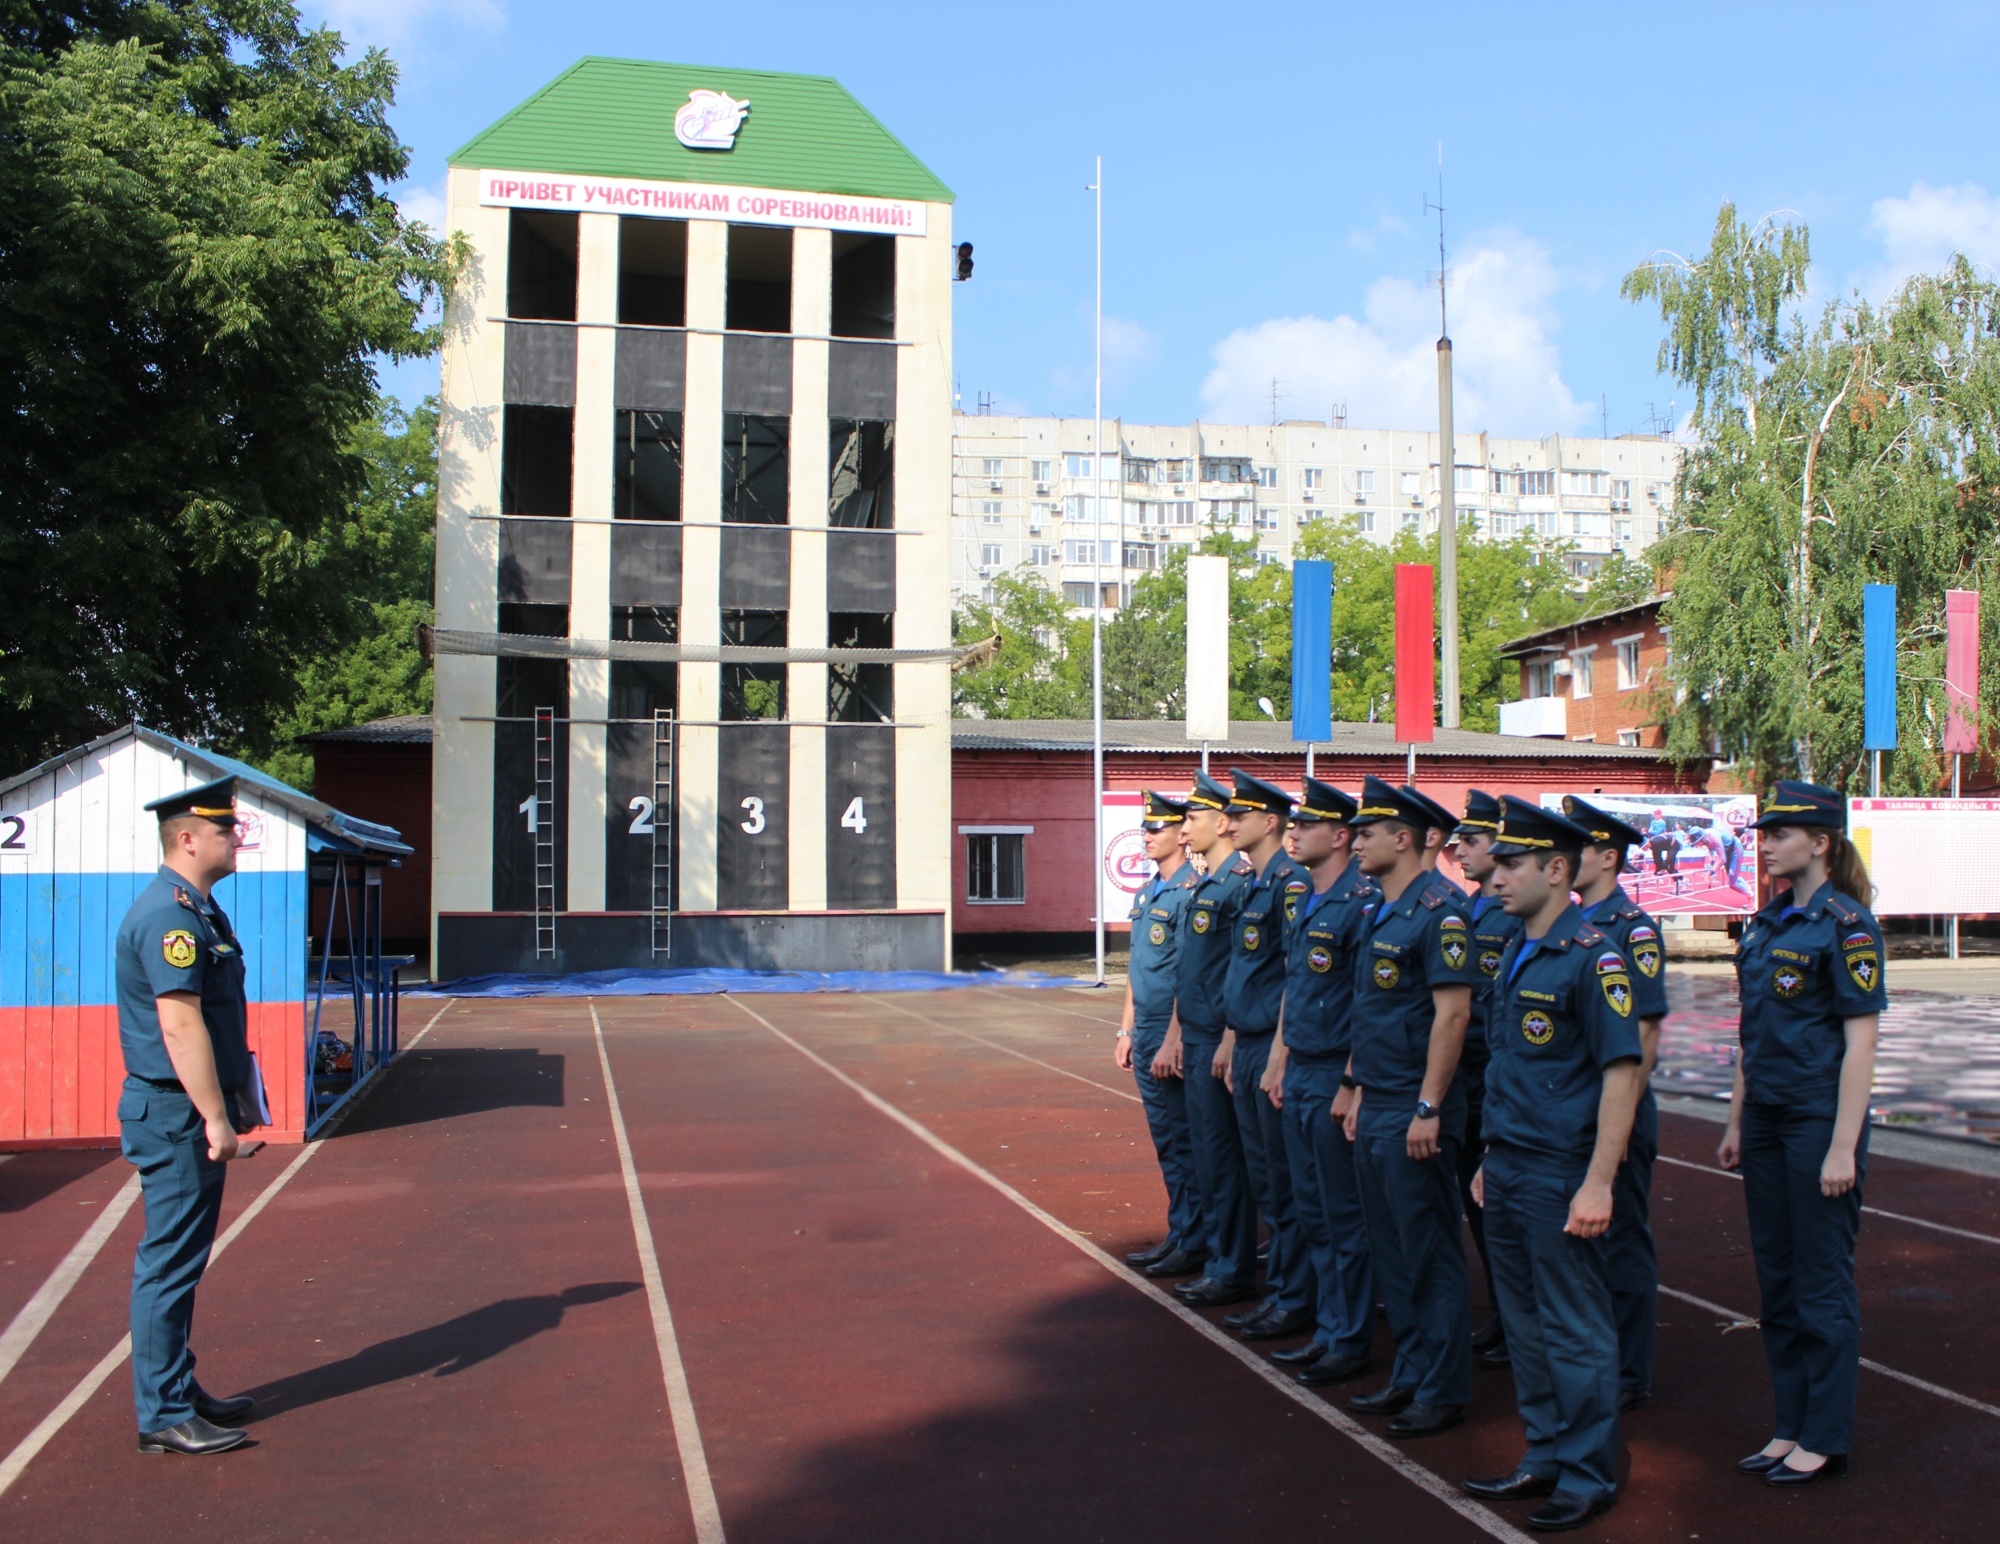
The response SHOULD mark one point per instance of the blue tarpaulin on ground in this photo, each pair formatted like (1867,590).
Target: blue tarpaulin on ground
(686,983)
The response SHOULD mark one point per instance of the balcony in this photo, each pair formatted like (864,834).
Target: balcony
(1536,717)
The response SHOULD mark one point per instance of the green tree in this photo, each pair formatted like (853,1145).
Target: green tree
(196,267)
(1858,446)
(1042,667)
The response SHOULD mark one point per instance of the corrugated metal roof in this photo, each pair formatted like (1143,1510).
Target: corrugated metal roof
(1255,737)
(397,729)
(615,118)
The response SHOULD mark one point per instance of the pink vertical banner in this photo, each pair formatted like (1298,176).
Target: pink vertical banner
(1961,671)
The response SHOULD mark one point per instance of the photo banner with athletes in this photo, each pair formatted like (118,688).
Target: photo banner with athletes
(1699,855)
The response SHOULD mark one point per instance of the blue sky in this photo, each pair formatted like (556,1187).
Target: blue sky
(1266,165)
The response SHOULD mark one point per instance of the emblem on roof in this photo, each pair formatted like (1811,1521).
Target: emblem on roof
(709,120)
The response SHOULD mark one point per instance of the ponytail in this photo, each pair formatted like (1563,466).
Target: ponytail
(1845,870)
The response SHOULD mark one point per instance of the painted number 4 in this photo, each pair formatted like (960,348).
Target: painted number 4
(856,817)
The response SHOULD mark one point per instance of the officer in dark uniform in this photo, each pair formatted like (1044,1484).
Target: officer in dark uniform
(1142,1048)
(1318,1035)
(1412,999)
(182,1027)
(1200,964)
(1492,931)
(1634,1263)
(1809,975)
(1253,1000)
(1561,1086)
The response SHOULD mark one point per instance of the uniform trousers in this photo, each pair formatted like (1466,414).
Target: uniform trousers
(1220,1175)
(164,1137)
(1165,1103)
(1471,1152)
(1555,1300)
(1288,1278)
(1804,1245)
(1634,1266)
(1326,1196)
(1412,1209)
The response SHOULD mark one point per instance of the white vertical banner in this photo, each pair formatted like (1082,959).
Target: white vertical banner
(1208,648)
(1123,867)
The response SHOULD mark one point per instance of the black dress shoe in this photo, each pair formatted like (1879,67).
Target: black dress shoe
(1427,1420)
(1782,1473)
(1495,1358)
(1138,1259)
(1335,1369)
(193,1436)
(1385,1401)
(1759,1464)
(1178,1263)
(1206,1293)
(1518,1486)
(1564,1511)
(1247,1316)
(1491,1336)
(1300,1356)
(1634,1399)
(209,1408)
(1279,1326)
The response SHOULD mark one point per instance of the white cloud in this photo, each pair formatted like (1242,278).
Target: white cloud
(1507,371)
(397,21)
(1921,233)
(425,204)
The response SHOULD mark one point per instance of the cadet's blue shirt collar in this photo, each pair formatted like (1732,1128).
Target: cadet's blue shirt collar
(1783,906)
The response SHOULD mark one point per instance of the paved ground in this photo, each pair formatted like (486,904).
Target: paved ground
(885,1312)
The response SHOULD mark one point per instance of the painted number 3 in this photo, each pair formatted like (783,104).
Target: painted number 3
(755,807)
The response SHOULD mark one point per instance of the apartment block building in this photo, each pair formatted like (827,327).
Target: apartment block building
(1028,493)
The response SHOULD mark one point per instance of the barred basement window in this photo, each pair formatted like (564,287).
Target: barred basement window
(996,869)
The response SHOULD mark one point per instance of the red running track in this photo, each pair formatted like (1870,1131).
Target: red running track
(443,1316)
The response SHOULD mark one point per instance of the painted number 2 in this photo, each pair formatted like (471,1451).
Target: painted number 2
(14,834)
(856,816)
(642,815)
(755,807)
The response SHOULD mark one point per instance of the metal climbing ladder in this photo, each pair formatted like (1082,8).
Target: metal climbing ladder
(545,833)
(663,833)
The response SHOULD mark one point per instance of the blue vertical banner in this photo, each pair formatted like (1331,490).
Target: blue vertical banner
(1878,670)
(1312,651)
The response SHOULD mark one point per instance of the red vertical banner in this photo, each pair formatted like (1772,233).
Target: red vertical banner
(1416,652)
(1961,671)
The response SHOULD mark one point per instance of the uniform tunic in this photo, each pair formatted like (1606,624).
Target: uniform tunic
(1156,927)
(1801,972)
(1201,963)
(1410,946)
(173,940)
(1319,1026)
(1634,1263)
(1562,1012)
(1492,930)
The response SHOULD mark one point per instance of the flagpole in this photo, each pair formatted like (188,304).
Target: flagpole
(1097,600)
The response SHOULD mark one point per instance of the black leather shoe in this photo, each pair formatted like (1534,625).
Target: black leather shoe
(1427,1420)
(1213,1294)
(209,1408)
(1300,1356)
(1335,1369)
(1518,1486)
(1758,1465)
(1491,1336)
(1279,1326)
(1244,1318)
(1495,1358)
(1782,1473)
(1138,1259)
(1385,1401)
(1564,1511)
(1634,1399)
(1178,1263)
(194,1437)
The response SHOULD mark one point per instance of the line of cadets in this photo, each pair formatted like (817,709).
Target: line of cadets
(1330,1036)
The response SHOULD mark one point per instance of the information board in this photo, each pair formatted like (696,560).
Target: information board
(1124,869)
(1929,857)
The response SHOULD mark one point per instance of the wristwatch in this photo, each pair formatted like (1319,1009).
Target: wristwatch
(1124,1034)
(1426,1110)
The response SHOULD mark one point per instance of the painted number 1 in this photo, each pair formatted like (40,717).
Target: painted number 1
(755,807)
(856,816)
(531,807)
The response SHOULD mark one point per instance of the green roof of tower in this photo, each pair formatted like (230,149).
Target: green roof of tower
(615,118)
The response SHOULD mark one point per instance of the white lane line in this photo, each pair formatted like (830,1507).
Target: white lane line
(1872,1211)
(16,1462)
(1745,1321)
(680,1401)
(1489,1522)
(39,1309)
(997,1046)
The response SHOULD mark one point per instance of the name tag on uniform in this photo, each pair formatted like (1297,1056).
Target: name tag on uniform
(1793,955)
(1380,947)
(1535,997)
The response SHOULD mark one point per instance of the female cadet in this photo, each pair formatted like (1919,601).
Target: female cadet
(1809,973)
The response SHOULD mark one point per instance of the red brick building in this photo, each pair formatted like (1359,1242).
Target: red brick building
(1024,854)
(1595,681)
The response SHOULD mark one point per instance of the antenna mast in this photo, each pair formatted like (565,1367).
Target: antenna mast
(1447,483)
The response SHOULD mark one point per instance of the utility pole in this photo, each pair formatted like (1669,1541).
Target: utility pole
(1097,600)
(1447,500)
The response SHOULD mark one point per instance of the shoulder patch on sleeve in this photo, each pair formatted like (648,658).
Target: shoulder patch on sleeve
(1295,887)
(1858,941)
(177,948)
(1609,961)
(1641,934)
